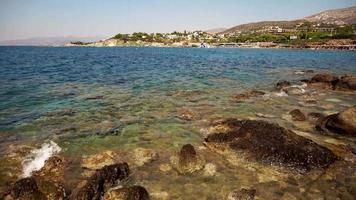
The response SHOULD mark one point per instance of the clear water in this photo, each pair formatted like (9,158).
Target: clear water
(141,93)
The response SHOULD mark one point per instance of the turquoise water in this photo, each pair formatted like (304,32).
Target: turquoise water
(90,100)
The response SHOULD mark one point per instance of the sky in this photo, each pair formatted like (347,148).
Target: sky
(20,19)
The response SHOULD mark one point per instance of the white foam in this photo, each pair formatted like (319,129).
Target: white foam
(37,158)
(281,94)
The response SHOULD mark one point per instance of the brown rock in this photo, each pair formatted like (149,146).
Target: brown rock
(271,144)
(100,182)
(343,123)
(297,115)
(247,95)
(243,194)
(128,193)
(26,189)
(346,83)
(188,160)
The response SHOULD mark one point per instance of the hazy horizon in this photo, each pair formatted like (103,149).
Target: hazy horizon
(23,19)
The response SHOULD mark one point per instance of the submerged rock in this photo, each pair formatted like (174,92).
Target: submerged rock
(297,115)
(98,161)
(187,114)
(128,193)
(314,116)
(243,194)
(100,182)
(269,143)
(343,123)
(247,95)
(26,189)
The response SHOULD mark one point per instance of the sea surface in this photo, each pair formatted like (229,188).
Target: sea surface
(81,102)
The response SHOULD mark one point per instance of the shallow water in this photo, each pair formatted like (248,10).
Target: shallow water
(91,100)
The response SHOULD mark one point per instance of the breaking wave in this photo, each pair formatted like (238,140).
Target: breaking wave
(37,158)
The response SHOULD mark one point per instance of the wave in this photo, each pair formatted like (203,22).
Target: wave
(37,158)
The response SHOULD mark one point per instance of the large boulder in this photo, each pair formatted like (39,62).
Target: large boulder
(323,81)
(346,83)
(269,143)
(26,189)
(128,193)
(343,123)
(100,182)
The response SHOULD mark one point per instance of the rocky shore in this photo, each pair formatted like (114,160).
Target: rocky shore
(292,154)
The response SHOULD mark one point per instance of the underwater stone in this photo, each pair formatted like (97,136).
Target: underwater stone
(270,144)
(188,160)
(297,115)
(128,193)
(247,95)
(142,156)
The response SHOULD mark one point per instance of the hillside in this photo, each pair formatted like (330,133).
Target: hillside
(337,17)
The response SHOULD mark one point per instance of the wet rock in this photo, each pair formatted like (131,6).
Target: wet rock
(98,161)
(100,182)
(269,143)
(98,97)
(324,78)
(142,156)
(26,189)
(209,169)
(165,167)
(346,83)
(314,116)
(128,193)
(188,160)
(243,194)
(282,84)
(244,96)
(297,115)
(343,123)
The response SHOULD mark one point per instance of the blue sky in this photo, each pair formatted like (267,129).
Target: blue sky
(51,18)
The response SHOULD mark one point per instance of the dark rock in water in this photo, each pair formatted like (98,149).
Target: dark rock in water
(297,115)
(314,116)
(128,193)
(325,78)
(243,194)
(281,84)
(247,95)
(343,123)
(269,143)
(346,83)
(27,189)
(98,97)
(100,182)
(188,160)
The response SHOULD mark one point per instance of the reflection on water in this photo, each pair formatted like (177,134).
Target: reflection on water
(91,101)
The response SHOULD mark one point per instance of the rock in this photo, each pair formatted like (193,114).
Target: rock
(297,115)
(128,193)
(247,95)
(61,113)
(314,116)
(343,123)
(324,78)
(98,161)
(270,144)
(142,156)
(282,84)
(243,194)
(323,81)
(26,189)
(98,97)
(187,114)
(209,169)
(188,160)
(165,167)
(100,182)
(346,83)
(107,128)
